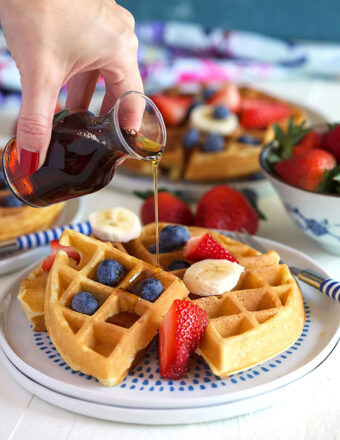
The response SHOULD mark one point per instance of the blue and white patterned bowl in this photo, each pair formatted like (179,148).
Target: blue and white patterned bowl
(317,215)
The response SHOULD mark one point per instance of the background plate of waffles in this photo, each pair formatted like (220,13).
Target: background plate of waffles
(22,220)
(143,396)
(215,134)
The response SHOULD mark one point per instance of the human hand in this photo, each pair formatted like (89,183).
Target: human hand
(66,41)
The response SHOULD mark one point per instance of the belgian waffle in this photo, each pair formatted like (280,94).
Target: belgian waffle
(99,345)
(32,295)
(259,318)
(236,160)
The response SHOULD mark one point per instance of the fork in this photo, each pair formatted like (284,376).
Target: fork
(327,286)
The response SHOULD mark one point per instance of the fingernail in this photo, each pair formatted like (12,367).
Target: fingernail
(29,161)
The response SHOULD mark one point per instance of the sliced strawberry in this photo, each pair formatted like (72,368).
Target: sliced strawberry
(55,248)
(309,142)
(180,333)
(204,247)
(229,96)
(258,113)
(173,108)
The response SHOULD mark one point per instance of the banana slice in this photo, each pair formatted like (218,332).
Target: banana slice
(115,224)
(212,277)
(202,118)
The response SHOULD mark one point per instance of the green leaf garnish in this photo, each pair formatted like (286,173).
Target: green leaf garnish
(285,140)
(331,182)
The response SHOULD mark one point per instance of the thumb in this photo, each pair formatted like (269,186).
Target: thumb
(35,122)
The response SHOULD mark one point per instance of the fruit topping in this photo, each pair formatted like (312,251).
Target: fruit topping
(306,170)
(248,139)
(173,108)
(221,112)
(257,113)
(310,141)
(212,277)
(194,104)
(84,302)
(150,289)
(115,224)
(191,138)
(152,248)
(178,264)
(202,118)
(11,201)
(55,248)
(223,207)
(208,93)
(331,141)
(171,209)
(110,272)
(206,247)
(213,143)
(180,333)
(229,96)
(173,237)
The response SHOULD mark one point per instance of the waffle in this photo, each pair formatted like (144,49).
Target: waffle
(260,318)
(104,345)
(236,160)
(32,295)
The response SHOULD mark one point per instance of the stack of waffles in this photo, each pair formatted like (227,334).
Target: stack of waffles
(239,158)
(258,319)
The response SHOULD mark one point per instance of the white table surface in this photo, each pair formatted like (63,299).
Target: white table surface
(313,410)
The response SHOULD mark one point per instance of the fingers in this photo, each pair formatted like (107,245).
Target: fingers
(39,98)
(132,107)
(80,89)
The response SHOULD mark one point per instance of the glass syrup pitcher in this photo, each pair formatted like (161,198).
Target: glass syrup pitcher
(84,150)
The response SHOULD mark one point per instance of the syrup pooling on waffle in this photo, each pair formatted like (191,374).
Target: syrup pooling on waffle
(101,344)
(32,295)
(260,318)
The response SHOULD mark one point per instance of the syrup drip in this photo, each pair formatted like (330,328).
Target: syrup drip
(155,190)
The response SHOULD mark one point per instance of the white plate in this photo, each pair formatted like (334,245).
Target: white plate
(34,355)
(72,213)
(152,416)
(130,182)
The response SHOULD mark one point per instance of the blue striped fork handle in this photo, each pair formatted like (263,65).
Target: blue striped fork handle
(326,285)
(37,239)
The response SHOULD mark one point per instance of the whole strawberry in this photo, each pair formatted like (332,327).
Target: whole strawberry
(331,142)
(223,207)
(180,333)
(171,209)
(306,170)
(309,142)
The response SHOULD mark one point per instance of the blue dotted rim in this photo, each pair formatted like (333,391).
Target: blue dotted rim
(145,375)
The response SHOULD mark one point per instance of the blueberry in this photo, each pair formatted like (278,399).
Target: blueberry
(3,183)
(193,105)
(213,143)
(152,248)
(173,236)
(208,93)
(191,138)
(84,303)
(109,272)
(178,264)
(11,202)
(221,112)
(248,139)
(150,289)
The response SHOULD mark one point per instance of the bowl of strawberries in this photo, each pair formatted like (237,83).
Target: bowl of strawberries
(303,165)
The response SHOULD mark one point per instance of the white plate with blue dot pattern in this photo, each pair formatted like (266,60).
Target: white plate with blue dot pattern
(34,355)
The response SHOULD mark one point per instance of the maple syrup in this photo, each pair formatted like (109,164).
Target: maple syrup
(84,151)
(155,164)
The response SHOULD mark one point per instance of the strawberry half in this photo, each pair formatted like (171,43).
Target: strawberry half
(174,109)
(55,248)
(206,247)
(180,333)
(229,96)
(258,113)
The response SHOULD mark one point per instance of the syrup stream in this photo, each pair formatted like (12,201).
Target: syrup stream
(155,190)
